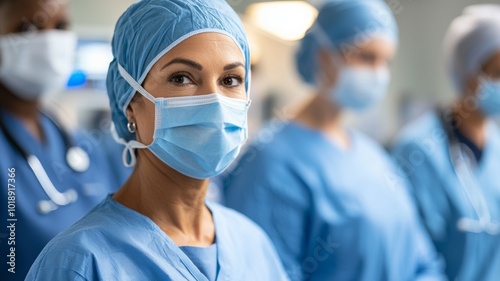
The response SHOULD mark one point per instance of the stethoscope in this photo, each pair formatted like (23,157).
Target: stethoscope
(463,163)
(76,158)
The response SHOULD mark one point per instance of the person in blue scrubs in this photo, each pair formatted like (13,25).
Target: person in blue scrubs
(320,190)
(50,177)
(450,155)
(178,94)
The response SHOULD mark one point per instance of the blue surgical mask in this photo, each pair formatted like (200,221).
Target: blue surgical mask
(198,136)
(356,88)
(359,88)
(489,96)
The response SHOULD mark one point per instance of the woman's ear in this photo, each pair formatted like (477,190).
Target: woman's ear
(131,118)
(132,107)
(130,114)
(141,118)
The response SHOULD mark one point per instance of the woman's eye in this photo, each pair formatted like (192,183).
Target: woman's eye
(181,80)
(232,81)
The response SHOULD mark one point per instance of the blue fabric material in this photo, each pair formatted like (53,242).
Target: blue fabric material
(113,242)
(333,214)
(33,230)
(346,23)
(423,155)
(204,258)
(151,27)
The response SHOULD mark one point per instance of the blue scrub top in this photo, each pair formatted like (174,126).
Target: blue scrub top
(32,229)
(422,152)
(205,258)
(114,242)
(333,214)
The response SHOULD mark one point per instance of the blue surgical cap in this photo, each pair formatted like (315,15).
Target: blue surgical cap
(344,24)
(471,40)
(149,29)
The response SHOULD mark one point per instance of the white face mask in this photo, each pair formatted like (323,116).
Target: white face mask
(35,64)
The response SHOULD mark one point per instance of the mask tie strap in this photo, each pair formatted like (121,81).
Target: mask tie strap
(128,157)
(134,84)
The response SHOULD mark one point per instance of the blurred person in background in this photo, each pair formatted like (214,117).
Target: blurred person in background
(452,155)
(319,189)
(50,177)
(178,90)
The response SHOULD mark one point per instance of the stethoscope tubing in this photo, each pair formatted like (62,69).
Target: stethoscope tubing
(56,198)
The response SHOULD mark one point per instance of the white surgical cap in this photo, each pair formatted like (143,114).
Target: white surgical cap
(471,40)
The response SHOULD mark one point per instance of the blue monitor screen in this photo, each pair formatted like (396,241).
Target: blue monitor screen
(91,65)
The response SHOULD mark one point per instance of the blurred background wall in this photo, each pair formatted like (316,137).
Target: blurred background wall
(419,79)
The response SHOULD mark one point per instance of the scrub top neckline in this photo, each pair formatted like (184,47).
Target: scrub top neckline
(490,142)
(205,258)
(475,151)
(324,138)
(199,247)
(190,266)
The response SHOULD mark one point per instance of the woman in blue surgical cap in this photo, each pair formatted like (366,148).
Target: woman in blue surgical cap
(50,176)
(178,89)
(451,155)
(320,190)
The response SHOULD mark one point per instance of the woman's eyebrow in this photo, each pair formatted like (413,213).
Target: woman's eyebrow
(198,66)
(233,66)
(187,62)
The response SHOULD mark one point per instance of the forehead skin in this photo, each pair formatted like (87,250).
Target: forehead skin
(21,15)
(209,49)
